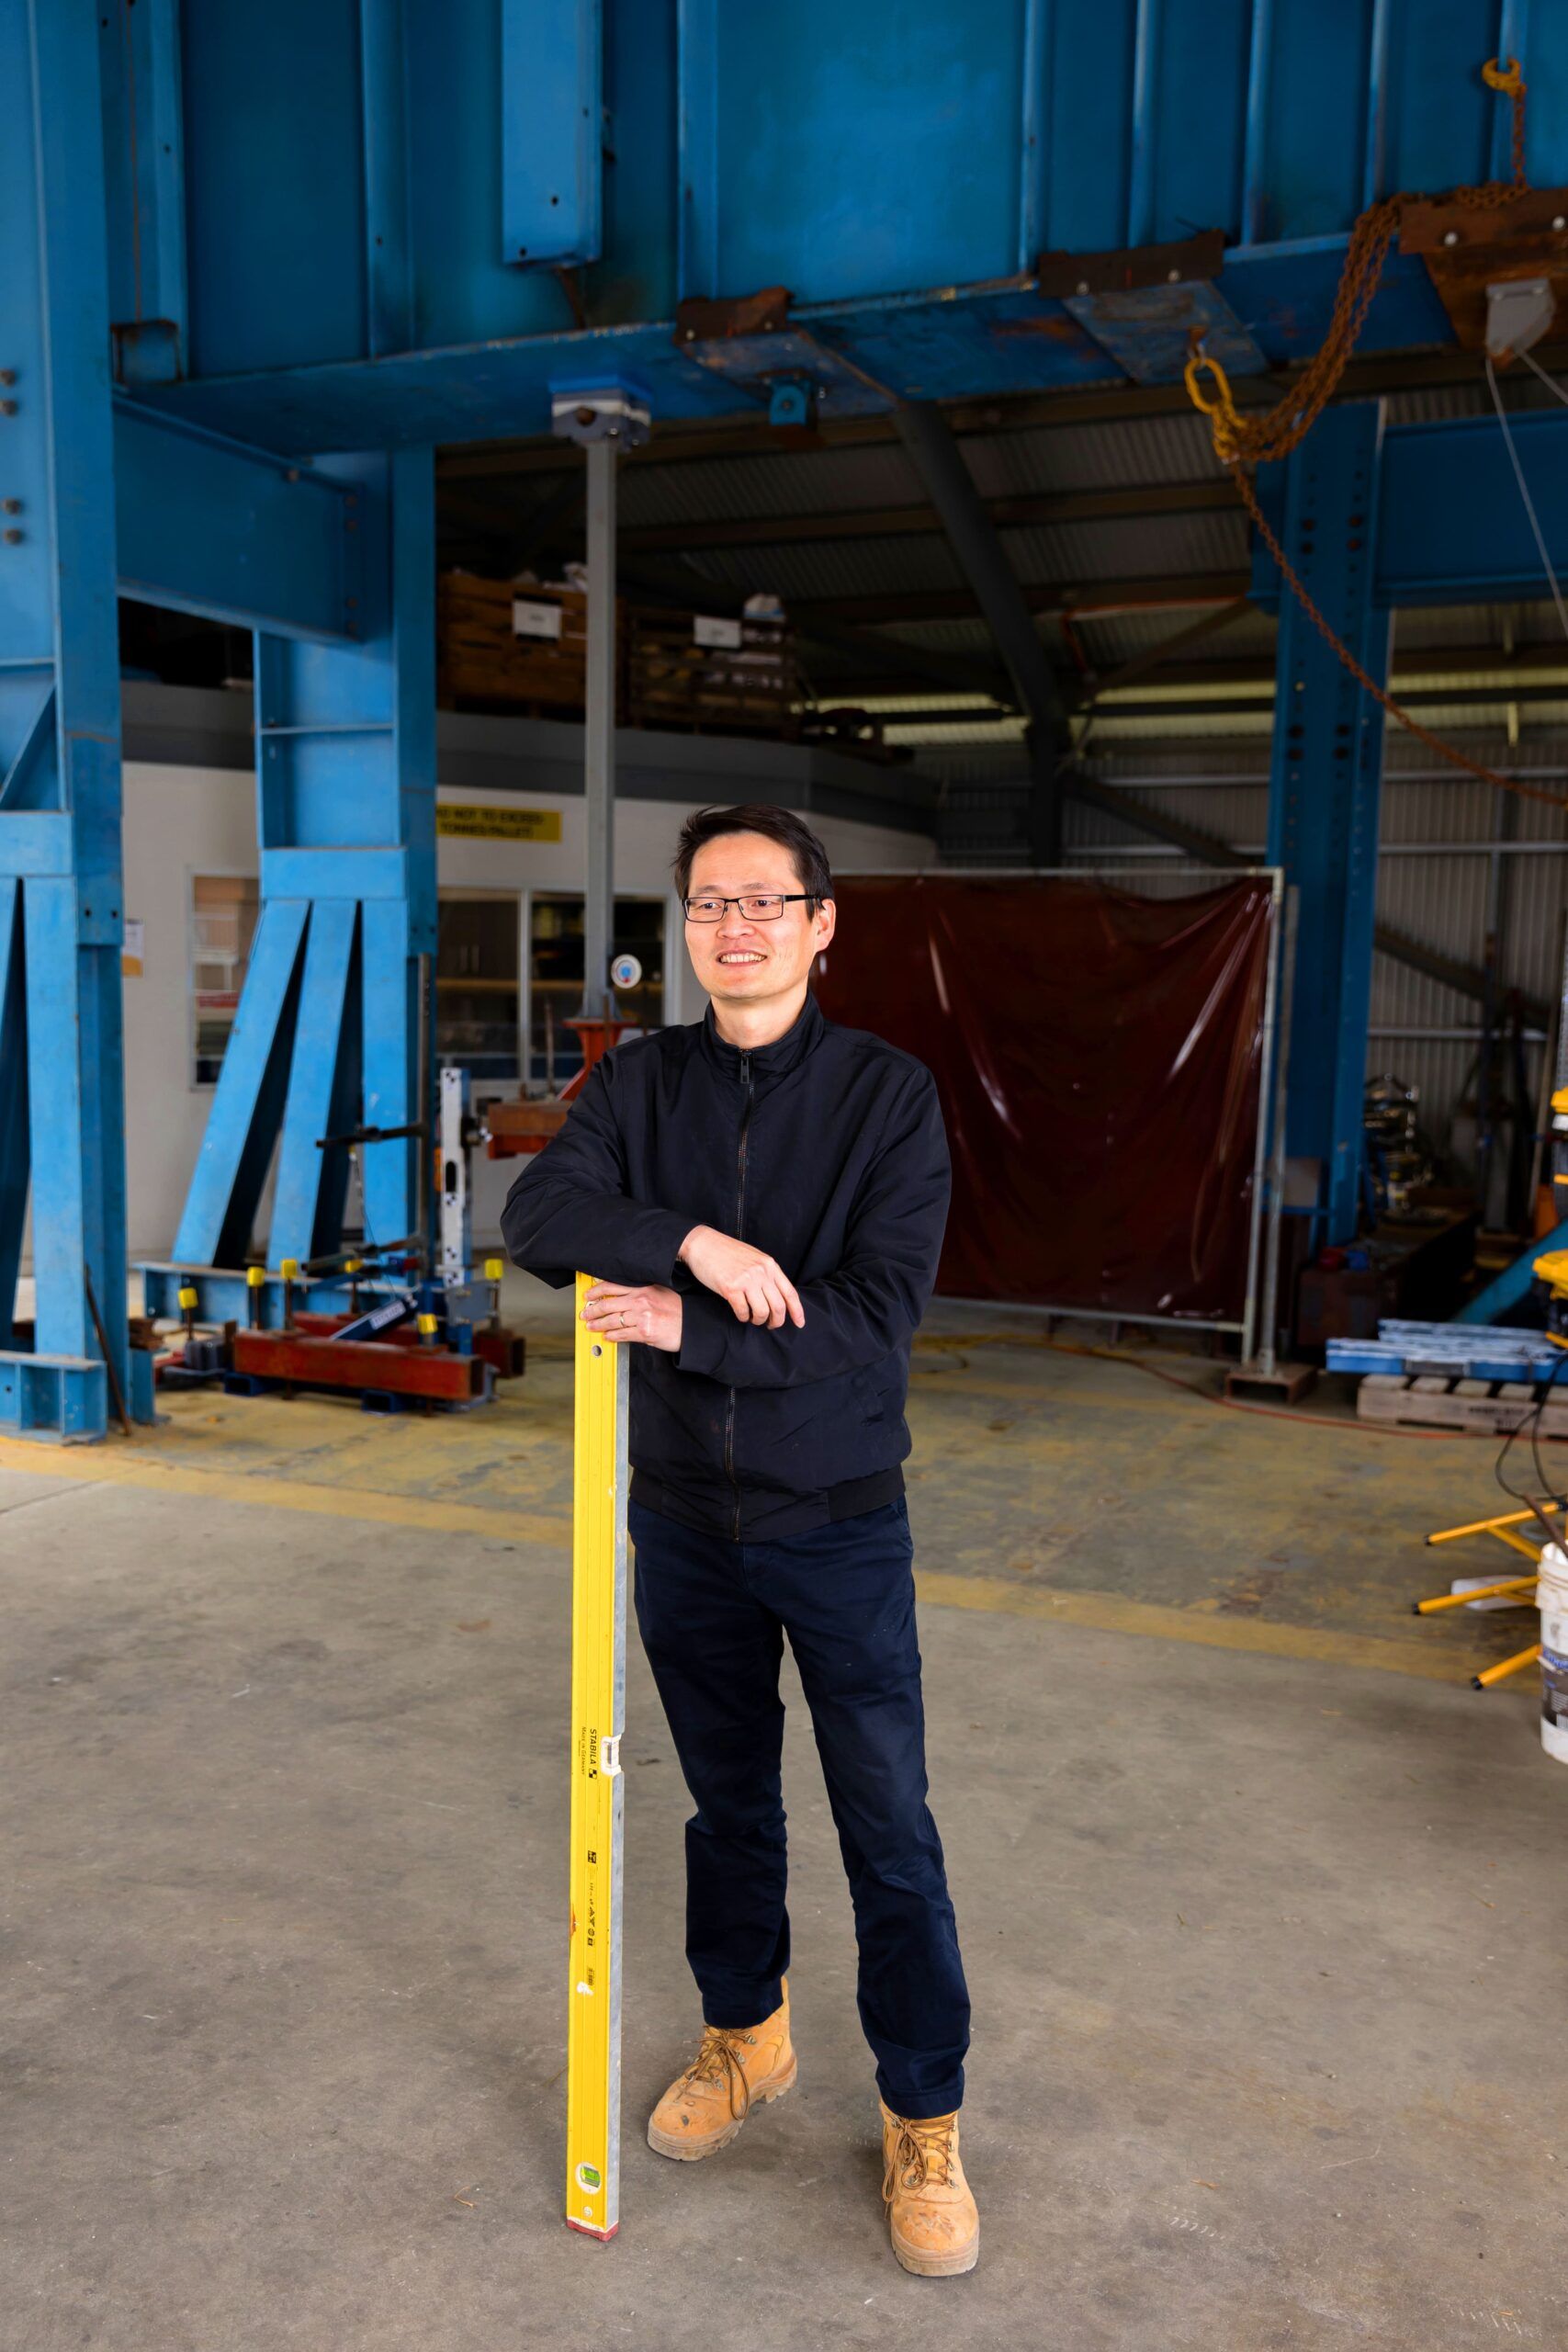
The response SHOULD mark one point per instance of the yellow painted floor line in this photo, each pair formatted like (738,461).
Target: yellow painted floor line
(1109,1612)
(263,1491)
(1103,1612)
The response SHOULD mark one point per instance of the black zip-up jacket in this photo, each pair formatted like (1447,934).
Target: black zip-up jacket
(825,1148)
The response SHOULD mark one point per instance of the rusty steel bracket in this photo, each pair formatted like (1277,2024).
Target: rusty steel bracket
(1146,306)
(698,320)
(1469,248)
(1128,269)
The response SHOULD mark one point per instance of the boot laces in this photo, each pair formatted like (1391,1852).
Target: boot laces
(720,2060)
(921,2154)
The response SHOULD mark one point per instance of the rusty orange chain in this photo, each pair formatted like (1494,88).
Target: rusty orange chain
(1242,442)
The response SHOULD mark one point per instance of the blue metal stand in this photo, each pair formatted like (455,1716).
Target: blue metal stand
(328,1032)
(1323,785)
(61,1114)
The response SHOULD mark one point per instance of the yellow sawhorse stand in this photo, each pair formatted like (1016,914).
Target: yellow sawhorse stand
(598,1709)
(1504,1530)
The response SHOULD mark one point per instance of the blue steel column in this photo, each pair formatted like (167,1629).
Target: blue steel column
(1323,795)
(60,913)
(327,1029)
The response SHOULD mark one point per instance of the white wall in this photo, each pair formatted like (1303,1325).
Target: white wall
(181,821)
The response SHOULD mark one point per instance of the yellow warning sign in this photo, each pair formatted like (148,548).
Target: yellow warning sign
(472,821)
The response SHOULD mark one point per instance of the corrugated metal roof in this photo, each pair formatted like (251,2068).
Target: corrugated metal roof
(807,481)
(1114,455)
(1127,548)
(806,574)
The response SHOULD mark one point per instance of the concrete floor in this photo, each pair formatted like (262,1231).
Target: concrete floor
(1262,1904)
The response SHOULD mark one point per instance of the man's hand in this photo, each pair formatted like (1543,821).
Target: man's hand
(648,1312)
(754,1284)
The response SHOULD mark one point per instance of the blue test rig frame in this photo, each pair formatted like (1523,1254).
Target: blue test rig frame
(256,263)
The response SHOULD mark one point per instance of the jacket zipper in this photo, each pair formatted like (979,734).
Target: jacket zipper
(739,1235)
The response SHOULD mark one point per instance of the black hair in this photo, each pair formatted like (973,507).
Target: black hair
(780,825)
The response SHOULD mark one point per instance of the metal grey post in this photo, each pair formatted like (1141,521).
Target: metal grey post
(599,731)
(1267,1353)
(605,422)
(1265,1114)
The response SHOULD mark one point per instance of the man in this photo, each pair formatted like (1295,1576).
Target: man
(761,1199)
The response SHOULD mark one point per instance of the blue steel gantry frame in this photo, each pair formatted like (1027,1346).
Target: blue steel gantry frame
(240,248)
(330,1015)
(1327,763)
(60,916)
(900,166)
(1371,518)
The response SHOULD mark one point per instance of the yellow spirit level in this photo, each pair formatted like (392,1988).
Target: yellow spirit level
(598,1707)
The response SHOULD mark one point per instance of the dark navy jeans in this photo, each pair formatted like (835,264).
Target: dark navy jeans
(714,1615)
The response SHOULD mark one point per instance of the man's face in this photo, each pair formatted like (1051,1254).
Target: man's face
(741,962)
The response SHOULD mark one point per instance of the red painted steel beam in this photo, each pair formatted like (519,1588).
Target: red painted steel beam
(357,1364)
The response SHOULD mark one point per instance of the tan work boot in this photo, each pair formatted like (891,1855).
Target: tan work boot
(704,2108)
(935,2226)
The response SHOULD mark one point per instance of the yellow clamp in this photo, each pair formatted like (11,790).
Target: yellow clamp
(189,1296)
(255,1277)
(1509,81)
(290,1269)
(494,1269)
(353,1265)
(1551,1268)
(1559,1098)
(428,1326)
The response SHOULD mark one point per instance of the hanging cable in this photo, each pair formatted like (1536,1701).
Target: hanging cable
(1524,492)
(1550,382)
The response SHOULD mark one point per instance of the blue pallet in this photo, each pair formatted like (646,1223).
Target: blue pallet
(1450,1351)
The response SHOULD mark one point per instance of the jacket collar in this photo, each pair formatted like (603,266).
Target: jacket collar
(770,1060)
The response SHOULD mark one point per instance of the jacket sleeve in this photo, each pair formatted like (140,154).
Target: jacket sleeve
(871,1305)
(569,1210)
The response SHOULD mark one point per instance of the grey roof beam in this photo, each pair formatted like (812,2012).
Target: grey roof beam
(973,536)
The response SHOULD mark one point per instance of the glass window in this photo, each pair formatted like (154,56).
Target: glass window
(555,978)
(223,923)
(477,1003)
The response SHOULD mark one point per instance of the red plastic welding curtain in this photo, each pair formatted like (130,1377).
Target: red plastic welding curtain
(1098,1056)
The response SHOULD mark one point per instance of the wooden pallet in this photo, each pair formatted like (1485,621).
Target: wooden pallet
(1488,1407)
(672,680)
(663,677)
(481,658)
(1286,1385)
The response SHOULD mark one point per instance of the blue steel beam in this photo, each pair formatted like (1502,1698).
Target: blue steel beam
(328,1028)
(59,1030)
(15,1154)
(1323,795)
(552,138)
(384,95)
(902,188)
(241,1126)
(210,525)
(144,160)
(844,153)
(1505,1290)
(1449,526)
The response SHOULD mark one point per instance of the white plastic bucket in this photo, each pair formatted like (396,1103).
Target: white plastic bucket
(1551,1599)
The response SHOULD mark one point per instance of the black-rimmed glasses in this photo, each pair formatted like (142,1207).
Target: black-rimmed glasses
(765,907)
